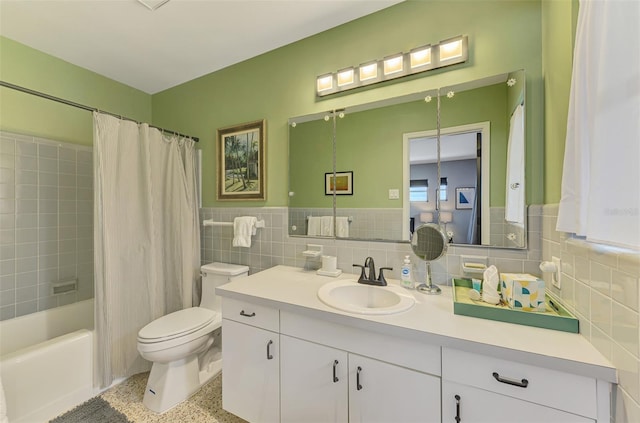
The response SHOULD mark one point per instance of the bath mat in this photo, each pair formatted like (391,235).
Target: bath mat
(205,406)
(94,410)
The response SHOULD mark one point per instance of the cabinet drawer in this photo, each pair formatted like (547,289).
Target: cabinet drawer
(564,391)
(251,314)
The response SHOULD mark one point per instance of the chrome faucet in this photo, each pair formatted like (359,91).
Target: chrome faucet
(370,278)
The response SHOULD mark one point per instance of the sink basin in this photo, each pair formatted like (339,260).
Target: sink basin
(351,296)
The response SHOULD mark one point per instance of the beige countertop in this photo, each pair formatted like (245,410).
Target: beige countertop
(431,320)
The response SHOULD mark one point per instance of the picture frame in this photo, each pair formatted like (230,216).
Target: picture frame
(343,182)
(465,198)
(241,163)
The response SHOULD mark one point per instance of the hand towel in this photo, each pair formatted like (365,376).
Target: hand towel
(342,227)
(515,207)
(326,226)
(313,225)
(243,228)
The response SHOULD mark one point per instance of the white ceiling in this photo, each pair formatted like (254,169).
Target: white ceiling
(153,50)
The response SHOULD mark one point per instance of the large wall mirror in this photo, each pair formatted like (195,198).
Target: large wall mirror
(385,159)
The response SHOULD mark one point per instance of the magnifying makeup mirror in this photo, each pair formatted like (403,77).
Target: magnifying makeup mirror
(429,243)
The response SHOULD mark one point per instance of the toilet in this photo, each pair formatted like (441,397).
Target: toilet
(185,346)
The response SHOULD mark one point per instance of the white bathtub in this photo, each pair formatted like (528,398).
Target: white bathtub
(46,362)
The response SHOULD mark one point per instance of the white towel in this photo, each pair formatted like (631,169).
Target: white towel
(326,226)
(514,204)
(313,225)
(342,227)
(243,228)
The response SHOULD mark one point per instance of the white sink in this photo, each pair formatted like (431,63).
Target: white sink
(354,297)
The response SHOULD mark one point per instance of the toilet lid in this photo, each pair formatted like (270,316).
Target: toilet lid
(177,324)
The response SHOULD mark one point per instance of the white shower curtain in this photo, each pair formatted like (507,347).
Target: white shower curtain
(515,202)
(601,178)
(147,240)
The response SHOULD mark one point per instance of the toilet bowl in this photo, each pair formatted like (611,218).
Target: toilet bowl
(185,346)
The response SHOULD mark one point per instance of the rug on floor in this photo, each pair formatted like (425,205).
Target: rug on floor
(94,410)
(205,406)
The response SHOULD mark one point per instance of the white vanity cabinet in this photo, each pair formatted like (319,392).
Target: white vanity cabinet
(478,388)
(313,381)
(328,374)
(251,361)
(324,384)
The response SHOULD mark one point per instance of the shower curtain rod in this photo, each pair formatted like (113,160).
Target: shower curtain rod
(83,107)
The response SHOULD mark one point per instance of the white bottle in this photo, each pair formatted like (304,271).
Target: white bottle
(405,274)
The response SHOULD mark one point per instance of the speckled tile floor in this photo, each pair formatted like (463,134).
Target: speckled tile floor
(205,406)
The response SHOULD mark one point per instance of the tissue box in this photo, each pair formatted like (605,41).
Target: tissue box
(523,291)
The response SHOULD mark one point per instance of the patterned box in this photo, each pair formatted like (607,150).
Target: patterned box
(522,291)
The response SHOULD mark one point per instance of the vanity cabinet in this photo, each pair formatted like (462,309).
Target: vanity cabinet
(251,361)
(478,388)
(324,384)
(461,403)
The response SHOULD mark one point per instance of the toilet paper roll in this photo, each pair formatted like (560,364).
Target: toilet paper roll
(329,263)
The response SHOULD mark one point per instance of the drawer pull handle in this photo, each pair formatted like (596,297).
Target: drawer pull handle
(358,386)
(269,356)
(242,313)
(457,419)
(522,384)
(335,365)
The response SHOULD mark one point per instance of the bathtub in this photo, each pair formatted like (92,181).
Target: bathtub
(46,362)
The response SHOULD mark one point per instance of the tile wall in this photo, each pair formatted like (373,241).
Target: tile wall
(46,223)
(599,285)
(377,223)
(272,246)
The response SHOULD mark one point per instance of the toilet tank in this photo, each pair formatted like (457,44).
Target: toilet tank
(216,274)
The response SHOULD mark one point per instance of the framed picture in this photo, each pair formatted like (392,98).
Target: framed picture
(342,183)
(240,151)
(465,198)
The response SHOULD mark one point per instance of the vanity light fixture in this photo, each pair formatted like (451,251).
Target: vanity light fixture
(346,77)
(420,59)
(393,64)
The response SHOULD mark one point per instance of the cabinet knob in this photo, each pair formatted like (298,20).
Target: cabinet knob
(457,418)
(358,385)
(242,313)
(335,366)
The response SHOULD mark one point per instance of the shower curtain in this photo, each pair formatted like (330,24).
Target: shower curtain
(147,240)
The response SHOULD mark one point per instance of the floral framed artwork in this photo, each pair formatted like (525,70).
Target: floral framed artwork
(465,198)
(342,183)
(240,152)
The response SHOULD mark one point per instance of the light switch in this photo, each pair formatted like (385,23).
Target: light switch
(394,194)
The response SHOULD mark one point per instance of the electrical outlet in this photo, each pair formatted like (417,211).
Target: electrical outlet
(557,275)
(394,194)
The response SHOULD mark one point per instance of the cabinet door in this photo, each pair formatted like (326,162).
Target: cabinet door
(250,372)
(313,382)
(461,403)
(382,392)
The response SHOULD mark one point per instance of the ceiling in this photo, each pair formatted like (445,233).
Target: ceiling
(180,40)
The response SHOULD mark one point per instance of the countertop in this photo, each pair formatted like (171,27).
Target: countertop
(430,320)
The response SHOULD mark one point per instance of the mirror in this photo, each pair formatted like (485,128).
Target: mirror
(429,242)
(374,142)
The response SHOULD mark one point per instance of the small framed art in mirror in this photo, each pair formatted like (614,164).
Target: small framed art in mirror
(240,152)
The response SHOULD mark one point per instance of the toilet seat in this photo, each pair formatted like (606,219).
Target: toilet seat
(178,327)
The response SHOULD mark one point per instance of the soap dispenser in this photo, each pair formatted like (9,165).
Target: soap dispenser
(405,274)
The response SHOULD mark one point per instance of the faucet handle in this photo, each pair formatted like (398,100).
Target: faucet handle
(362,276)
(381,278)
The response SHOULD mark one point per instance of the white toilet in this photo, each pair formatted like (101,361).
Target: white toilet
(185,346)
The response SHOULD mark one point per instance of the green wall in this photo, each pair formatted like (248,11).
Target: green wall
(558,33)
(27,114)
(503,36)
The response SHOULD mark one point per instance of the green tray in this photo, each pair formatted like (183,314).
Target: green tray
(556,317)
